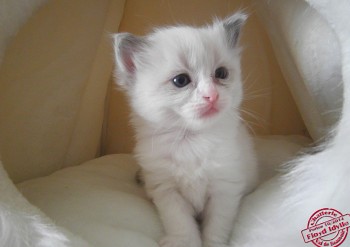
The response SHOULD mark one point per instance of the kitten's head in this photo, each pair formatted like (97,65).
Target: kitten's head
(182,76)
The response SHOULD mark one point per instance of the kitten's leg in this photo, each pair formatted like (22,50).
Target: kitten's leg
(177,217)
(220,213)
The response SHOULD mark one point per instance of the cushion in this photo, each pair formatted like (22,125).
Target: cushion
(101,202)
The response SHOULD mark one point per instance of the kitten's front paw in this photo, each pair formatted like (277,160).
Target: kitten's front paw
(180,241)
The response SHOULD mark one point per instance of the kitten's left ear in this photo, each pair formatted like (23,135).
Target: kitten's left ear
(233,25)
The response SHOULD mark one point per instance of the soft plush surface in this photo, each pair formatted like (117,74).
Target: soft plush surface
(100,200)
(276,213)
(24,225)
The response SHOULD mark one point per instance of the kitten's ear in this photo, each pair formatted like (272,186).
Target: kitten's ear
(233,25)
(126,49)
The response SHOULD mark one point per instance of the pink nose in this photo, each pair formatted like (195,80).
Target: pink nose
(212,96)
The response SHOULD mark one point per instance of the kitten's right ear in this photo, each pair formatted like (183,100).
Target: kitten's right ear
(126,49)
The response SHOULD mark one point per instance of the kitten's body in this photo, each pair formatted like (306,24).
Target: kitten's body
(197,158)
(193,161)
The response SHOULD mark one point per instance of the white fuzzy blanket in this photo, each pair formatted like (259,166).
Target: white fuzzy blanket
(272,216)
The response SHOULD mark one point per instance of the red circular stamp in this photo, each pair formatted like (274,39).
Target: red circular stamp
(327,227)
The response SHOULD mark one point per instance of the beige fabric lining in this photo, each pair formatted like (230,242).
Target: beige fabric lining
(53,83)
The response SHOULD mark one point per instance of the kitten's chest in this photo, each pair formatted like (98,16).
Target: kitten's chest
(193,157)
(194,190)
(190,162)
(196,161)
(194,150)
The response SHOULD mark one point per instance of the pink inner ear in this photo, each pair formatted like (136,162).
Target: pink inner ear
(128,61)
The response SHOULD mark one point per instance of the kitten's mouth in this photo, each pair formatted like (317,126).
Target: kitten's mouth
(208,111)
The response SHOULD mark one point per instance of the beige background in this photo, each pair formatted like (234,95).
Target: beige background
(270,107)
(53,84)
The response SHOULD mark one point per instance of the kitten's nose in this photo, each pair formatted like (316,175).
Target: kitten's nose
(211,96)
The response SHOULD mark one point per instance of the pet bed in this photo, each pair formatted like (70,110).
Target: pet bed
(65,142)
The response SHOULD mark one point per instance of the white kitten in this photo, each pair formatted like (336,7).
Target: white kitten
(185,88)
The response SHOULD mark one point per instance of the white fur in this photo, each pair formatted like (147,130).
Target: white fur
(193,166)
(23,225)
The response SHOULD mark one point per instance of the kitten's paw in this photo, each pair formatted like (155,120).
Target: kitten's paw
(180,241)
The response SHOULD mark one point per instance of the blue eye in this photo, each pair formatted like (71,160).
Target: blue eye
(221,73)
(181,80)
